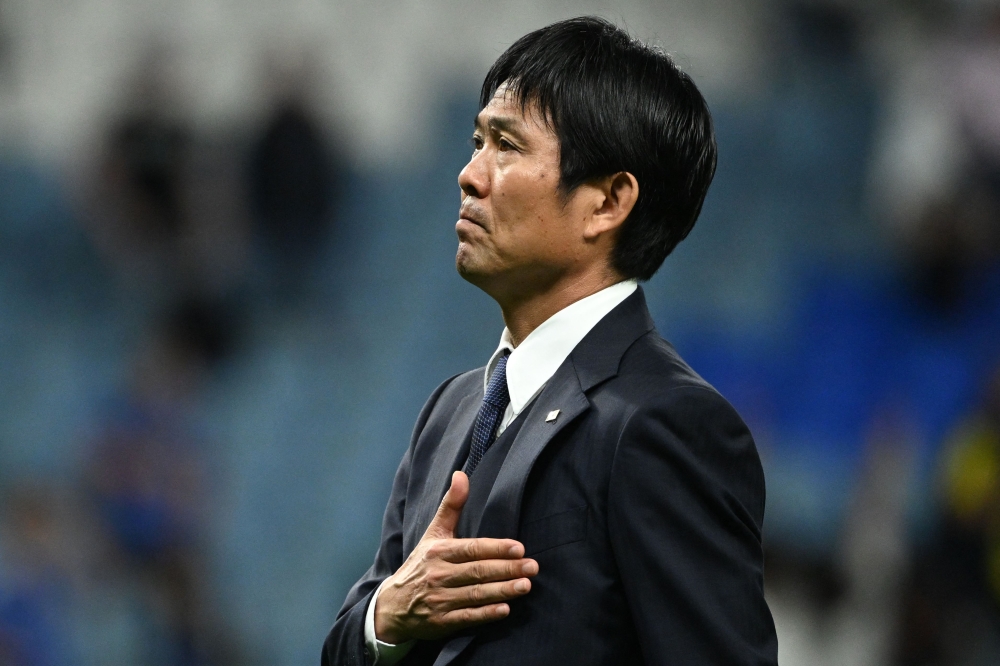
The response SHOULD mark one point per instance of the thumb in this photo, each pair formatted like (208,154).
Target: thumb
(446,518)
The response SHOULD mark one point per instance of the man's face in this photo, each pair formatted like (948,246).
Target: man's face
(518,235)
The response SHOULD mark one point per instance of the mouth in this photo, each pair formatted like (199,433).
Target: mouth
(466,228)
(472,217)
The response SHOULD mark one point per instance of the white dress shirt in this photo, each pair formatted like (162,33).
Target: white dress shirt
(530,366)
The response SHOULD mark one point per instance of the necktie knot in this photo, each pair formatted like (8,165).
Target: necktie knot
(497,393)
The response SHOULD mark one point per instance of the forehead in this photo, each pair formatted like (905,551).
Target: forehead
(506,112)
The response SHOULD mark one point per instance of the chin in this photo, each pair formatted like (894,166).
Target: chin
(466,269)
(469,268)
(465,258)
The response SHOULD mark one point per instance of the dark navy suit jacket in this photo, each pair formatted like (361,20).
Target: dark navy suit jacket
(642,503)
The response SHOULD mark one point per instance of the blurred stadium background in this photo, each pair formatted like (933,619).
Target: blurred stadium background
(227,286)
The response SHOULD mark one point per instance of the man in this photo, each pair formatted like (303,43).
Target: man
(586,498)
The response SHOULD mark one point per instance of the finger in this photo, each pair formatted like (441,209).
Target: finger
(462,618)
(470,550)
(485,594)
(488,571)
(446,518)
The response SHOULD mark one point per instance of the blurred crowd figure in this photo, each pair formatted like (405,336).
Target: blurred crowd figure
(952,610)
(203,232)
(946,202)
(293,193)
(166,202)
(147,479)
(895,590)
(42,561)
(134,522)
(219,217)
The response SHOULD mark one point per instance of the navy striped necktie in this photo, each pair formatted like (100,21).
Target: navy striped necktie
(491,412)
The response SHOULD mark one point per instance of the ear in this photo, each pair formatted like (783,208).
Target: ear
(617,196)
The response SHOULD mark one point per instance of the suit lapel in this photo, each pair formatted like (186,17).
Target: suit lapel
(445,461)
(502,513)
(595,359)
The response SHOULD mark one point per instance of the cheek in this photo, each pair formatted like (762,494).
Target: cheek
(526,205)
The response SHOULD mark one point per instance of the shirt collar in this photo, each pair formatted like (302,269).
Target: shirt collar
(536,359)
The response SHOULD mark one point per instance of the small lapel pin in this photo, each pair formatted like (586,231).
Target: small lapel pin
(552,416)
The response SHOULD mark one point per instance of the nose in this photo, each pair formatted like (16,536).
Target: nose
(474,178)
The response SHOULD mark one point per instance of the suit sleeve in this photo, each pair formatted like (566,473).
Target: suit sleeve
(345,644)
(685,509)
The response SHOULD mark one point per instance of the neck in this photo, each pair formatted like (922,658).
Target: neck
(524,314)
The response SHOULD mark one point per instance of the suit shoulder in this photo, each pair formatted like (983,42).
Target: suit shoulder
(463,383)
(655,364)
(446,394)
(450,392)
(653,378)
(677,414)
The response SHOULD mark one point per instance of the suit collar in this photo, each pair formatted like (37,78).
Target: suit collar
(533,362)
(599,354)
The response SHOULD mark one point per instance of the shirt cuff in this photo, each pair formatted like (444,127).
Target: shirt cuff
(382,654)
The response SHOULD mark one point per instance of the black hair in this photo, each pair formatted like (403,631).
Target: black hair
(617,105)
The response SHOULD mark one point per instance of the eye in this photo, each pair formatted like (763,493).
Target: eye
(504,144)
(476,142)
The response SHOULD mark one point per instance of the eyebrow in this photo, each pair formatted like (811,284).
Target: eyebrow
(502,124)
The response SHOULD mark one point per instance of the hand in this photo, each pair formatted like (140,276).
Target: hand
(448,584)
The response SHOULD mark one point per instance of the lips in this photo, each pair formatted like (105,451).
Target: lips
(473,216)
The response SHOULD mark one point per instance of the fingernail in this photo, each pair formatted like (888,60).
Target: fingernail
(521,586)
(514,551)
(502,610)
(530,568)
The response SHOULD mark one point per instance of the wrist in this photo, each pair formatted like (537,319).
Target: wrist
(386,630)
